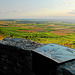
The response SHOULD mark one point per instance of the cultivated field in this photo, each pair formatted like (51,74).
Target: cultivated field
(39,31)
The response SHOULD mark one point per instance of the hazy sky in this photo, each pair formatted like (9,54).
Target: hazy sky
(37,9)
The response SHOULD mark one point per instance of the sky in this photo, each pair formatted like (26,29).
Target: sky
(37,9)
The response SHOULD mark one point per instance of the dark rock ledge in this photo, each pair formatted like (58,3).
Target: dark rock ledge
(24,44)
(16,56)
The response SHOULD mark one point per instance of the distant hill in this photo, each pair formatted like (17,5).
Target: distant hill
(61,20)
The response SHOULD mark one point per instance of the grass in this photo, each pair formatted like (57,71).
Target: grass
(50,29)
(23,29)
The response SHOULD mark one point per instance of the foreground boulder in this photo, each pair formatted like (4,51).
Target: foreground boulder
(24,57)
(16,57)
(54,59)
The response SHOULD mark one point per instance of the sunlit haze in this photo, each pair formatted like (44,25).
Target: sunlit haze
(37,9)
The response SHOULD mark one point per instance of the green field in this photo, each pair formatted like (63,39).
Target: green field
(40,31)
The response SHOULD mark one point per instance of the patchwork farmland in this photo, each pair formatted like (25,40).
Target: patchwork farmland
(40,31)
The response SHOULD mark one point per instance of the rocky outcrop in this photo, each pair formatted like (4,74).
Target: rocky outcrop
(24,44)
(16,56)
(67,68)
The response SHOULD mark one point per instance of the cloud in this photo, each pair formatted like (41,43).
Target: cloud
(45,12)
(11,11)
(37,13)
(69,2)
(72,12)
(42,12)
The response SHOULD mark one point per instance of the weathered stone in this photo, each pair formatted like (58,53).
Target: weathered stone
(16,56)
(67,68)
(15,60)
(21,43)
(54,59)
